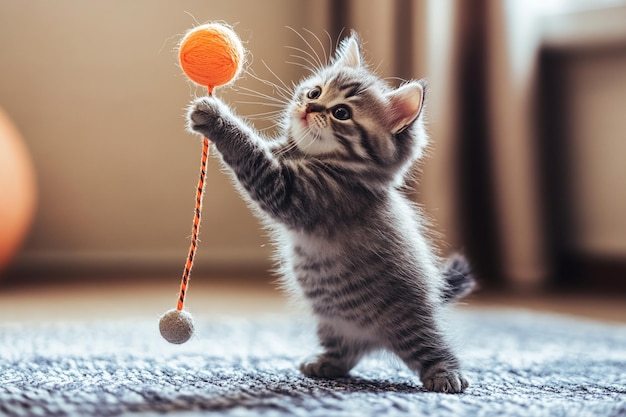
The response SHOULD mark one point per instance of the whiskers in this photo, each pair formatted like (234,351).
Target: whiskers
(274,94)
(296,142)
(316,57)
(277,100)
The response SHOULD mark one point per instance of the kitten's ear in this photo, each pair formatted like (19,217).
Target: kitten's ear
(405,105)
(349,52)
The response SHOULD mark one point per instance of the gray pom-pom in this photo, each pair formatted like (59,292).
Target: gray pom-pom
(176,326)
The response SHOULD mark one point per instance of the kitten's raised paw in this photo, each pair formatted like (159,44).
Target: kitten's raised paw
(446,381)
(204,116)
(320,367)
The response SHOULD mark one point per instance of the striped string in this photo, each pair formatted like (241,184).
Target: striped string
(196,226)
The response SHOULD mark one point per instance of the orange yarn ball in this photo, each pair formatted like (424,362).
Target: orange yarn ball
(211,55)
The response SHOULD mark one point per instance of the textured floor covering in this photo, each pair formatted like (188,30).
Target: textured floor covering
(520,364)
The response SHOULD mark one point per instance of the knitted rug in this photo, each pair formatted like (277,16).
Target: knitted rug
(519,364)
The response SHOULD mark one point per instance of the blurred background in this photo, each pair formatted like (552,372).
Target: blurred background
(525,108)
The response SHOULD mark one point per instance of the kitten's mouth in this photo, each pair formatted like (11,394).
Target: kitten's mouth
(313,120)
(304,118)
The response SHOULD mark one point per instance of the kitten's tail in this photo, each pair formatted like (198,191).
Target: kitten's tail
(458,277)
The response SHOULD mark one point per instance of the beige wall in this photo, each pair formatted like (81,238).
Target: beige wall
(95,89)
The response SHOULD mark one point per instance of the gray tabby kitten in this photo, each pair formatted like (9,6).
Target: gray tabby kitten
(349,241)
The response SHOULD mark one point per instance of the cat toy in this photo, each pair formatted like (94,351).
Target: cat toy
(210,55)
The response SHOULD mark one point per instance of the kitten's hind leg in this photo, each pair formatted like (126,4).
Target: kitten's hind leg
(425,351)
(339,357)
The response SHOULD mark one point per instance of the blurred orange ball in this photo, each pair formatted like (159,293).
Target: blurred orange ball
(17,190)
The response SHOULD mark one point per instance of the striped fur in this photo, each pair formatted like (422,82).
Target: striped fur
(349,241)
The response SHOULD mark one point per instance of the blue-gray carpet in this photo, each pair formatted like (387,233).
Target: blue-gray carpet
(519,364)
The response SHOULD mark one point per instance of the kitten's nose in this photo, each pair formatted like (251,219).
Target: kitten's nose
(313,107)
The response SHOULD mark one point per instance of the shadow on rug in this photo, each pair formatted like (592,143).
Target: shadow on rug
(519,364)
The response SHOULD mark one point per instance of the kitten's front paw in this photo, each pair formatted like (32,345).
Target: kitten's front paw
(446,381)
(320,367)
(205,116)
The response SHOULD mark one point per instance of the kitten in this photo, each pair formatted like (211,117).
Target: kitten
(349,241)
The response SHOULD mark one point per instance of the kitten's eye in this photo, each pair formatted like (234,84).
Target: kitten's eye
(314,93)
(341,113)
